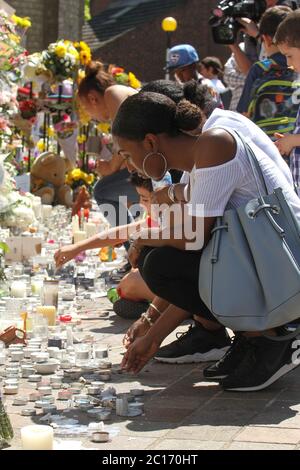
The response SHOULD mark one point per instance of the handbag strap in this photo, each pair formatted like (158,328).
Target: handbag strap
(255,166)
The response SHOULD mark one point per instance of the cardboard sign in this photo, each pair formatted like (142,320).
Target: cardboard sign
(23,248)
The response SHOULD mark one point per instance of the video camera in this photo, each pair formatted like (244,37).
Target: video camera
(223,20)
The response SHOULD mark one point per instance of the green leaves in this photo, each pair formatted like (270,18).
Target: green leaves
(4,247)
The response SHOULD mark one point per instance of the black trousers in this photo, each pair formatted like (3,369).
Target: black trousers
(173,275)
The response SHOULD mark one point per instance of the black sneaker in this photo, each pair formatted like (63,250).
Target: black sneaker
(264,362)
(229,362)
(196,345)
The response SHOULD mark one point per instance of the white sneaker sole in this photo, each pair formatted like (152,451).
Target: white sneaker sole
(212,355)
(280,373)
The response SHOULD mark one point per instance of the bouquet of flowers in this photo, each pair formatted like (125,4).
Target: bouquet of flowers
(77,178)
(62,59)
(15,208)
(123,78)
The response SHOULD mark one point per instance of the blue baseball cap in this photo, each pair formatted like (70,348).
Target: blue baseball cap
(181,56)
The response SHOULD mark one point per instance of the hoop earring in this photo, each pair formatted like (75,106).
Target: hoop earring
(151,155)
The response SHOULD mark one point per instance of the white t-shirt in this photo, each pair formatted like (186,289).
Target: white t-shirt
(218,85)
(232,184)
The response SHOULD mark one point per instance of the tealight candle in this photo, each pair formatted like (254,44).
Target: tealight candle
(35,396)
(20,401)
(11,389)
(28,412)
(45,390)
(48,312)
(16,356)
(18,289)
(35,378)
(36,437)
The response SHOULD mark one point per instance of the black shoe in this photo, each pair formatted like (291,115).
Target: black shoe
(264,362)
(229,362)
(196,345)
(129,309)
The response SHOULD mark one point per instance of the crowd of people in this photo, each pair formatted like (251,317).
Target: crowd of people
(193,129)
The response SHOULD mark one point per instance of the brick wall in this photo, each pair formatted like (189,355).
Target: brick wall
(51,20)
(97,6)
(71,19)
(143,50)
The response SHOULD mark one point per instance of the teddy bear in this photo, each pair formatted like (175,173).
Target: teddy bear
(48,179)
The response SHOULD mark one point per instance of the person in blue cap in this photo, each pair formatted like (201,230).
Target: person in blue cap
(183,60)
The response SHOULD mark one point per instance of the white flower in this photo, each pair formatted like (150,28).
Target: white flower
(4,204)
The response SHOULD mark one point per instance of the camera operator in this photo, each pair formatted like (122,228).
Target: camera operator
(244,60)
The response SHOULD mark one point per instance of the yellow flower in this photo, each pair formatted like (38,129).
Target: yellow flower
(14,38)
(50,131)
(41,146)
(22,22)
(76,174)
(81,139)
(104,127)
(61,50)
(133,81)
(90,179)
(85,57)
(81,76)
(83,45)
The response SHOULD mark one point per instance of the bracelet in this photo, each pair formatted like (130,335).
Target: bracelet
(171,193)
(156,309)
(147,319)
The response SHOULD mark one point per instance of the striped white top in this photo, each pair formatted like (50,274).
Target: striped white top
(232,184)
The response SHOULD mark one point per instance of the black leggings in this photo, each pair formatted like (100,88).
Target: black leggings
(173,275)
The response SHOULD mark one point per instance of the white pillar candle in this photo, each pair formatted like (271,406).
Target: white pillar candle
(79,236)
(37,437)
(18,289)
(46,211)
(75,224)
(37,207)
(90,229)
(48,312)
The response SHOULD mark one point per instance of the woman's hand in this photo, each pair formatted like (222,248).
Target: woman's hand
(138,328)
(249,27)
(134,254)
(139,354)
(161,196)
(65,254)
(286,143)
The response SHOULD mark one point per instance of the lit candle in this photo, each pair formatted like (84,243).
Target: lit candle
(48,312)
(36,437)
(79,236)
(18,289)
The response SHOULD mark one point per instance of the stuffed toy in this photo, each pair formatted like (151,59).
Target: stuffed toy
(48,179)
